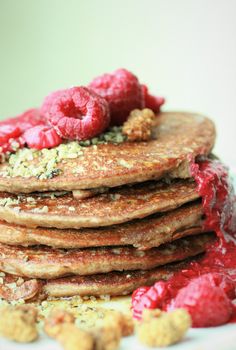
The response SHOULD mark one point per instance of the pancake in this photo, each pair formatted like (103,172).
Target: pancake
(142,234)
(118,206)
(113,284)
(47,263)
(179,137)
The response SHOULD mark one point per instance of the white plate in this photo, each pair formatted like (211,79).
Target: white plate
(220,338)
(217,338)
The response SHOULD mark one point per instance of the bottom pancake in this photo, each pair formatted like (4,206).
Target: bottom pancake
(112,284)
(46,263)
(15,288)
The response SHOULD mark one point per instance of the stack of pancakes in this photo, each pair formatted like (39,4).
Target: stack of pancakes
(108,218)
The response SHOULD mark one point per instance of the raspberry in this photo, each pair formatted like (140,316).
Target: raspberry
(122,91)
(26,120)
(222,281)
(149,298)
(137,294)
(206,302)
(45,108)
(152,102)
(8,132)
(30,118)
(78,113)
(42,136)
(13,128)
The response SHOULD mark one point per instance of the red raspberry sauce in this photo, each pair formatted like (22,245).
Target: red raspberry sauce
(219,204)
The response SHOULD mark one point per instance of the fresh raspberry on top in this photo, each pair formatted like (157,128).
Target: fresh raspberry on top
(122,91)
(24,121)
(49,99)
(8,132)
(12,129)
(42,136)
(31,117)
(206,302)
(152,102)
(78,113)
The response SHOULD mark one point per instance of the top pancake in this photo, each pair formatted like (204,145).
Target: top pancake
(178,137)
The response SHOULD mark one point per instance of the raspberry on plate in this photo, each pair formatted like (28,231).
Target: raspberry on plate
(137,295)
(78,113)
(152,102)
(42,136)
(206,302)
(149,298)
(122,91)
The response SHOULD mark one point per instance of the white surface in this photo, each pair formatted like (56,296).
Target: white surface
(220,338)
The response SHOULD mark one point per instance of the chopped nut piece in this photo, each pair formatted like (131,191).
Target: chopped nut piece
(125,322)
(73,338)
(56,319)
(162,328)
(138,126)
(19,323)
(107,337)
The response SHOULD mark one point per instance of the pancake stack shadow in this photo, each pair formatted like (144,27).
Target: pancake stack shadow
(110,220)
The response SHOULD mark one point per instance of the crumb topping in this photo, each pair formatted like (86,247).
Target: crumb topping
(22,162)
(138,126)
(44,164)
(112,135)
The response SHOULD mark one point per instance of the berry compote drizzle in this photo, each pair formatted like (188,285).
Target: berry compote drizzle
(219,205)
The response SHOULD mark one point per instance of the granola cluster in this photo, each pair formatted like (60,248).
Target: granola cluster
(159,328)
(139,125)
(61,326)
(18,323)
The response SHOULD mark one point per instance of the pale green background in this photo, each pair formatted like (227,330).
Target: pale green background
(183,49)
